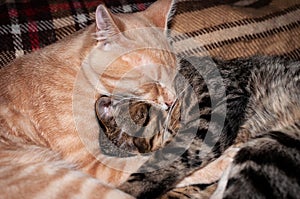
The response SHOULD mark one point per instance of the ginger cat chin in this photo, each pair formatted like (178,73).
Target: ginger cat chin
(41,153)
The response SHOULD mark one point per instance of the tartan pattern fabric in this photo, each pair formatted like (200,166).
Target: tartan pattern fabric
(230,28)
(28,25)
(221,28)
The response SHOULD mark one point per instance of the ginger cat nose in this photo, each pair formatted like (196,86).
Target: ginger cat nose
(169,103)
(169,99)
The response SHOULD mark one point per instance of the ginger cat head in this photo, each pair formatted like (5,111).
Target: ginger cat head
(133,57)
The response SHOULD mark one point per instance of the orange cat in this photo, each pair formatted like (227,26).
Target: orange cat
(42,153)
(133,57)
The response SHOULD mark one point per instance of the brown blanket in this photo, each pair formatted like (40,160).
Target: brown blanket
(230,29)
(221,28)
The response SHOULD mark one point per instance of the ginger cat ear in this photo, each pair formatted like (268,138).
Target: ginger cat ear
(160,12)
(107,23)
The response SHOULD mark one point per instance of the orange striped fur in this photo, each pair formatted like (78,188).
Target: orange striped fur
(41,152)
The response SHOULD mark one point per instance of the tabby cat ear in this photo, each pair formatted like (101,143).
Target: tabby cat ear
(160,12)
(107,24)
(104,108)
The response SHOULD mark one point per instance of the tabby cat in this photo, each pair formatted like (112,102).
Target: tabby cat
(252,104)
(41,152)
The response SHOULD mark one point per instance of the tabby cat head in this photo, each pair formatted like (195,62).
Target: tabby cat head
(135,126)
(133,56)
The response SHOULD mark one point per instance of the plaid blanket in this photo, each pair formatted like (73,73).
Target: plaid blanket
(28,25)
(230,29)
(221,28)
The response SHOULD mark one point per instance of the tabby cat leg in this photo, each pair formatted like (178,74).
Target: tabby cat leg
(197,191)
